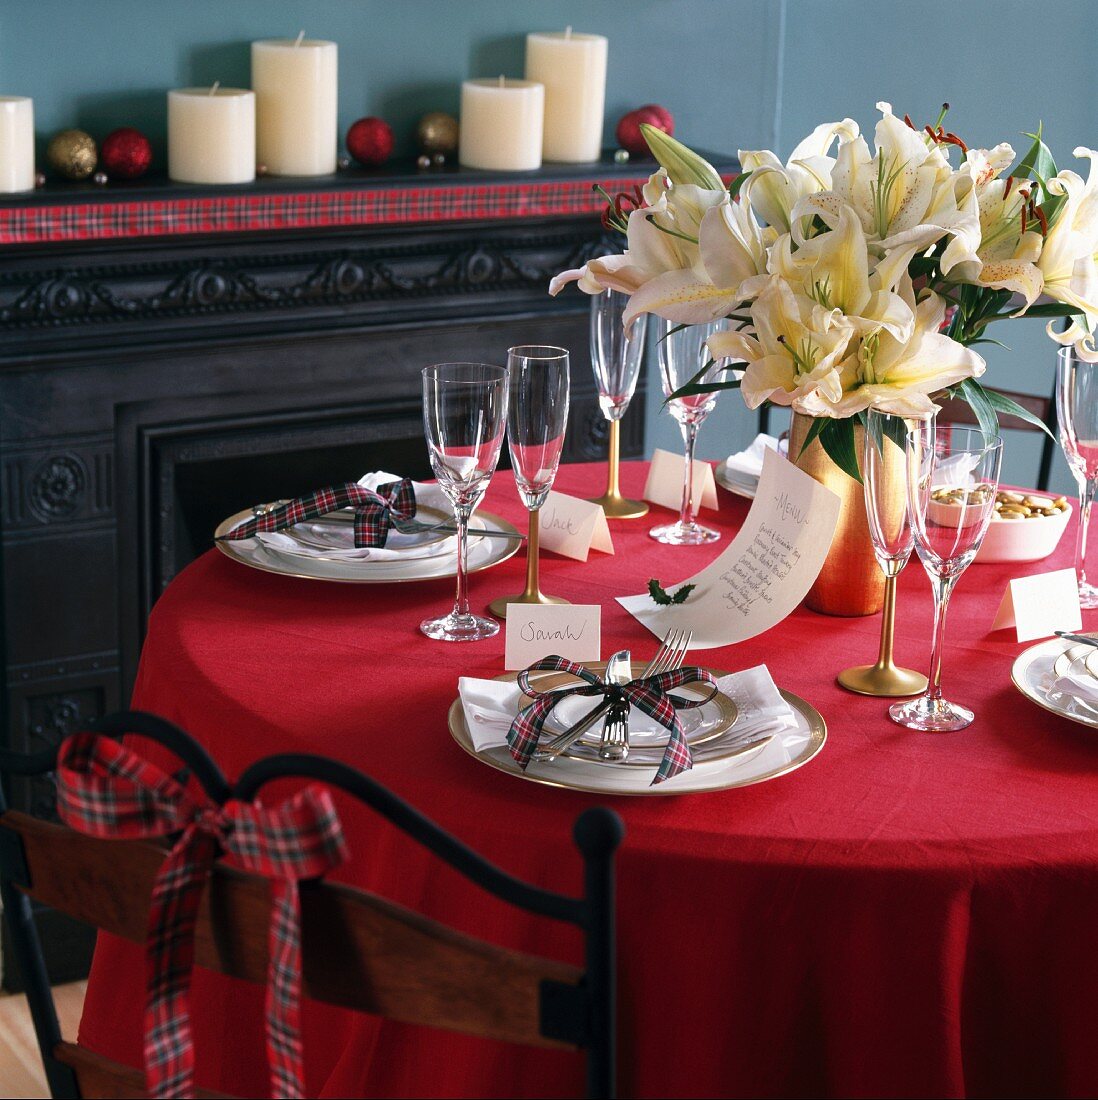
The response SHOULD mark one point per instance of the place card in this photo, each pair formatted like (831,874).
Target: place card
(765,571)
(537,630)
(1040,605)
(573,527)
(664,484)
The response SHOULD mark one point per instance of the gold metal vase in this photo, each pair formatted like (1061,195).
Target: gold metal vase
(851,581)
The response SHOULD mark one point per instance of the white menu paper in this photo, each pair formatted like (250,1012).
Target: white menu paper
(764,572)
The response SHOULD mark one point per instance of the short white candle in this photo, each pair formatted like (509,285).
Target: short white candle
(16,143)
(573,69)
(296,83)
(211,135)
(501,124)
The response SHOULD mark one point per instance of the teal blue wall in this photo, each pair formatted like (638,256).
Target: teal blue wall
(735,73)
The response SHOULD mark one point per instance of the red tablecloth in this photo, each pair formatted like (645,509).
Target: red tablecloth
(909,914)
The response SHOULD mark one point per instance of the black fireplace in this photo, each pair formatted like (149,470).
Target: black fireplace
(165,363)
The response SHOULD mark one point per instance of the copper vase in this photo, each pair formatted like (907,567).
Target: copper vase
(851,582)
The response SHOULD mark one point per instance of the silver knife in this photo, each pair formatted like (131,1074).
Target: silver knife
(569,736)
(1083,638)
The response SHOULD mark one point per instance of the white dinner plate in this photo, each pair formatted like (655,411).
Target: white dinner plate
(1033,674)
(738,487)
(483,554)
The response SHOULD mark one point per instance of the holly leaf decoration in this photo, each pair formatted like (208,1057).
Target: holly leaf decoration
(661,596)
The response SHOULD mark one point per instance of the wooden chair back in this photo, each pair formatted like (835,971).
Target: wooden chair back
(359,951)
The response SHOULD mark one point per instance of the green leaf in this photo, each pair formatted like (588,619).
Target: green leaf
(837,440)
(1038,163)
(735,186)
(664,598)
(814,430)
(671,331)
(971,391)
(1003,404)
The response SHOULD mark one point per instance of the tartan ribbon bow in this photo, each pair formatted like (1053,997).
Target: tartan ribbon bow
(649,695)
(376,511)
(106,790)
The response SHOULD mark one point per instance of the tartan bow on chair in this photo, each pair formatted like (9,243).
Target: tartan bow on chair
(106,790)
(649,695)
(376,511)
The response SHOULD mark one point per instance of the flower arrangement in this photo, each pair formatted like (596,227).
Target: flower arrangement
(855,279)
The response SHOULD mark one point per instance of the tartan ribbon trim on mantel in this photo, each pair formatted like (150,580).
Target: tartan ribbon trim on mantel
(376,511)
(27,222)
(106,790)
(650,695)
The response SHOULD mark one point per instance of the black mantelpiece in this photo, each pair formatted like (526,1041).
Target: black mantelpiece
(151,384)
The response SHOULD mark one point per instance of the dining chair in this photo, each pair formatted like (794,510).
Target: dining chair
(359,951)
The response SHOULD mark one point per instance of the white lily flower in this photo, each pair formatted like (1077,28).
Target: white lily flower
(795,351)
(774,189)
(898,376)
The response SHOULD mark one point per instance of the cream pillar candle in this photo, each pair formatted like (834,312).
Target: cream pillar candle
(573,69)
(16,143)
(211,135)
(297,91)
(500,125)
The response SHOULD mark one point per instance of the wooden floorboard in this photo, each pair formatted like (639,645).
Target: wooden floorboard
(20,1066)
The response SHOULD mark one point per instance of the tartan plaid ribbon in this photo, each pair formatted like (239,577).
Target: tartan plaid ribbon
(376,511)
(649,695)
(106,790)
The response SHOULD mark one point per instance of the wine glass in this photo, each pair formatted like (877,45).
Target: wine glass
(616,357)
(1077,416)
(885,484)
(952,478)
(537,415)
(683,354)
(464,413)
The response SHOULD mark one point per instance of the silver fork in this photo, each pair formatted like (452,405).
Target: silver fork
(615,731)
(668,648)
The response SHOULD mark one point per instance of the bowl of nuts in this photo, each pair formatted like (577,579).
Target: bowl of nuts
(1026,526)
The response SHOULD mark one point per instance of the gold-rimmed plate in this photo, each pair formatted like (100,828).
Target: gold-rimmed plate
(1033,673)
(483,554)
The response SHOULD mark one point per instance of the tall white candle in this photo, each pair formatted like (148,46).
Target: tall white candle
(573,69)
(211,135)
(296,83)
(16,143)
(501,124)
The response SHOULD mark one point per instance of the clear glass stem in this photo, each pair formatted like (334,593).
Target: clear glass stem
(687,516)
(1087,487)
(614,460)
(943,589)
(533,543)
(462,512)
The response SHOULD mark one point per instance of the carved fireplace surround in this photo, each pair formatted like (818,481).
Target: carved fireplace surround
(169,355)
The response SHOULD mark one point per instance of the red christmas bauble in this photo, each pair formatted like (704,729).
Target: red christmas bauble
(125,154)
(629,127)
(370,141)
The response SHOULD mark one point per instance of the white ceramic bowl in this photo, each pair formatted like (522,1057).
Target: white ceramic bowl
(1024,539)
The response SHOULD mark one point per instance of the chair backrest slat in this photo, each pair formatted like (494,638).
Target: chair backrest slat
(102,1079)
(359,951)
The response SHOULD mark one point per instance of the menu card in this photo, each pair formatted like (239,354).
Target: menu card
(764,572)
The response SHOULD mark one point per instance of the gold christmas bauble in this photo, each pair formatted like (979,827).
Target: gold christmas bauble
(72,154)
(437,132)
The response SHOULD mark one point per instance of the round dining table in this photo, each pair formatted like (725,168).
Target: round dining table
(908,914)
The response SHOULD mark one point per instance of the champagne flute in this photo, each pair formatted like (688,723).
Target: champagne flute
(683,355)
(885,483)
(1077,417)
(616,359)
(948,533)
(464,413)
(537,416)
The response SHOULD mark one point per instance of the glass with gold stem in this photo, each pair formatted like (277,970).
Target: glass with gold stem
(616,357)
(536,420)
(884,479)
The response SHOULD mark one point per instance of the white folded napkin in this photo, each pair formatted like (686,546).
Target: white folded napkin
(746,466)
(491,705)
(427,495)
(1077,690)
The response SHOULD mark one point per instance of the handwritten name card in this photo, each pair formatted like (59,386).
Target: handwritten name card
(664,484)
(1040,605)
(573,527)
(764,572)
(537,630)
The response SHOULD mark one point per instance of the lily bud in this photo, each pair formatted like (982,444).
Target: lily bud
(683,165)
